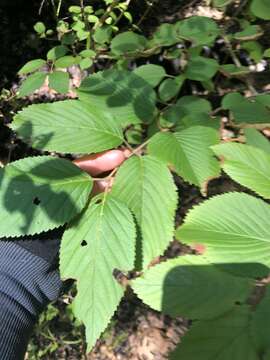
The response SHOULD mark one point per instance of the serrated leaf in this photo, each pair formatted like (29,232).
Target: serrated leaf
(192,287)
(151,73)
(31,65)
(99,242)
(254,50)
(40,193)
(260,323)
(103,34)
(32,83)
(88,53)
(86,63)
(128,42)
(244,110)
(249,33)
(59,81)
(65,61)
(188,152)
(224,338)
(200,68)
(151,198)
(200,30)
(261,9)
(165,35)
(266,53)
(256,139)
(189,111)
(170,87)
(57,52)
(67,126)
(247,165)
(221,3)
(231,70)
(121,93)
(234,228)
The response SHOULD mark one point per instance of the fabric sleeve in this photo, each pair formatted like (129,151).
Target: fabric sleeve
(28,283)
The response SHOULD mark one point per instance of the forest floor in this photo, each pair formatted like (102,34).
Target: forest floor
(136,332)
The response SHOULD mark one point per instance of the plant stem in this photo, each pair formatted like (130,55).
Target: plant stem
(238,64)
(122,12)
(139,148)
(106,14)
(58,8)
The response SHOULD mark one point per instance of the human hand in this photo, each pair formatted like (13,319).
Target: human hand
(97,164)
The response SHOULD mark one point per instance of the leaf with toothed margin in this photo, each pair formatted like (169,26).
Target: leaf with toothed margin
(97,243)
(256,139)
(146,186)
(125,95)
(234,228)
(247,165)
(40,193)
(188,152)
(68,126)
(185,286)
(223,338)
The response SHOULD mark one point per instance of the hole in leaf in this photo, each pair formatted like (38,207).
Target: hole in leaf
(237,303)
(36,201)
(84,243)
(98,201)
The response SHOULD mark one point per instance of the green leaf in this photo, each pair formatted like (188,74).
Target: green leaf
(101,241)
(201,69)
(192,287)
(32,65)
(221,3)
(59,81)
(231,70)
(32,83)
(254,50)
(261,9)
(128,97)
(103,34)
(224,338)
(75,9)
(57,52)
(40,193)
(256,139)
(170,87)
(199,30)
(151,73)
(86,63)
(244,110)
(247,165)
(251,32)
(67,126)
(128,42)
(234,228)
(165,35)
(260,323)
(188,152)
(267,53)
(88,53)
(151,198)
(65,61)
(39,27)
(187,105)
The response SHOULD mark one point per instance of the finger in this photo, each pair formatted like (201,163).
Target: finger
(98,163)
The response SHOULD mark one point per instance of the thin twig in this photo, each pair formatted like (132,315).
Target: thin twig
(148,9)
(122,12)
(238,64)
(106,14)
